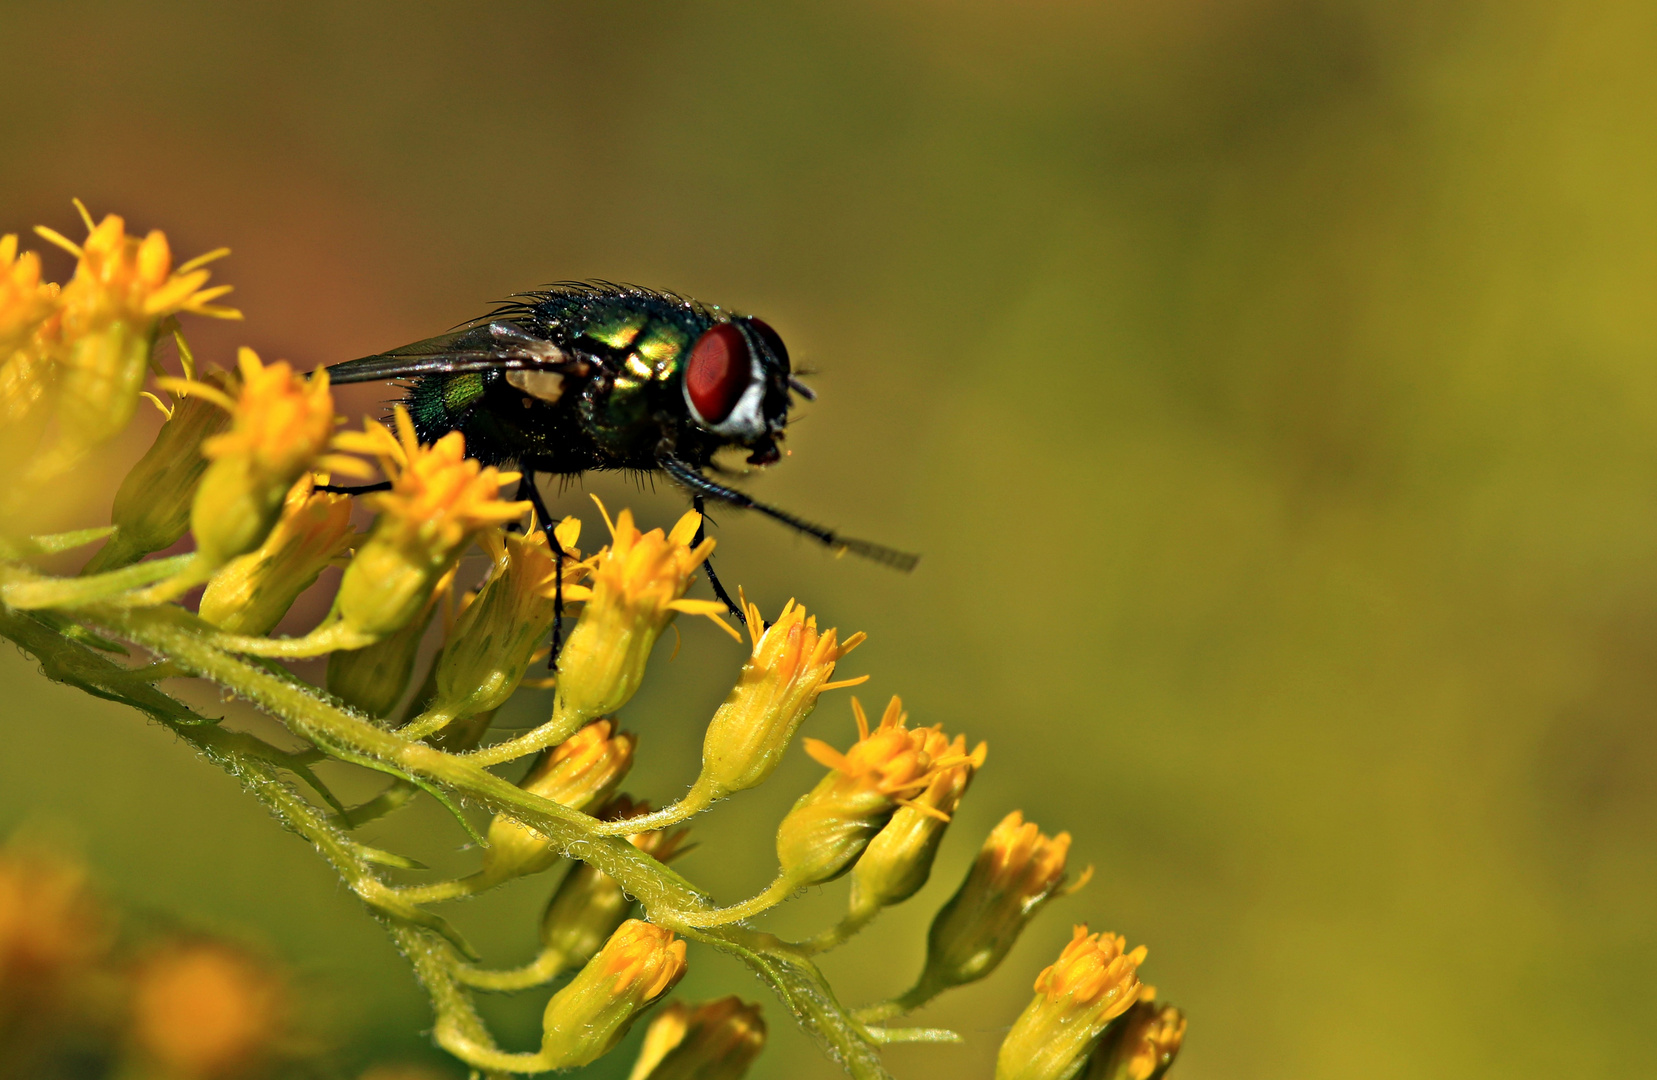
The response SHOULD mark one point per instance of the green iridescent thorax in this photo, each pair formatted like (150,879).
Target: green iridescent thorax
(655,348)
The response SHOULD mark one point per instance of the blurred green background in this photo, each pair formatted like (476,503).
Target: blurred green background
(1269,384)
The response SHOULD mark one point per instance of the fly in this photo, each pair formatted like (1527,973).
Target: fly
(593,375)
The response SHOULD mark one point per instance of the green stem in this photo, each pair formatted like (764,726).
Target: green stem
(773,894)
(429,722)
(698,799)
(438,891)
(887,1036)
(29,591)
(839,933)
(907,1002)
(563,724)
(538,972)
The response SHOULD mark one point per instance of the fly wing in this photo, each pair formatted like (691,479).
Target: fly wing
(498,345)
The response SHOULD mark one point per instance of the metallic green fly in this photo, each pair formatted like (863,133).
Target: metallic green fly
(593,375)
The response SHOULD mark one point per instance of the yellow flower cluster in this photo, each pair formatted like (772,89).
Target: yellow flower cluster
(95,350)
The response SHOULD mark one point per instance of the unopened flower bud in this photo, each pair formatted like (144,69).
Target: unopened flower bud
(439,501)
(581,772)
(280,423)
(790,665)
(152,505)
(251,593)
(583,1021)
(1093,982)
(489,649)
(1141,1045)
(589,904)
(1017,871)
(716,1040)
(830,825)
(899,858)
(374,677)
(636,587)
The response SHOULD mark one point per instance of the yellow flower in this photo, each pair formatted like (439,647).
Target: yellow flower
(121,290)
(899,858)
(439,501)
(1017,871)
(251,593)
(790,665)
(829,826)
(280,424)
(582,771)
(29,317)
(152,506)
(716,1040)
(25,300)
(1141,1045)
(52,932)
(635,589)
(201,1011)
(1093,982)
(583,1021)
(487,652)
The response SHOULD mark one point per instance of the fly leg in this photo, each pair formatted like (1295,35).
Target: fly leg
(690,477)
(354,489)
(696,502)
(528,490)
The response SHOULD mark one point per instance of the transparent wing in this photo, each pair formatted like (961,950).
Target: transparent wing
(498,345)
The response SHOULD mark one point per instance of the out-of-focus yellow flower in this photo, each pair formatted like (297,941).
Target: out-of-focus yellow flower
(1017,871)
(639,964)
(251,593)
(121,290)
(280,424)
(152,505)
(489,649)
(203,1010)
(636,587)
(52,930)
(29,318)
(830,825)
(25,300)
(899,858)
(790,665)
(716,1040)
(582,771)
(1094,981)
(439,501)
(1141,1045)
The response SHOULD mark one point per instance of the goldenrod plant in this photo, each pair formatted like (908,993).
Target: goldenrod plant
(238,465)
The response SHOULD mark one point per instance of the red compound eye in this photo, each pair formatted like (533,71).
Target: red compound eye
(717,372)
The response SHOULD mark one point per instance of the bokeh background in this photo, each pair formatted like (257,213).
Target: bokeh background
(1271,386)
